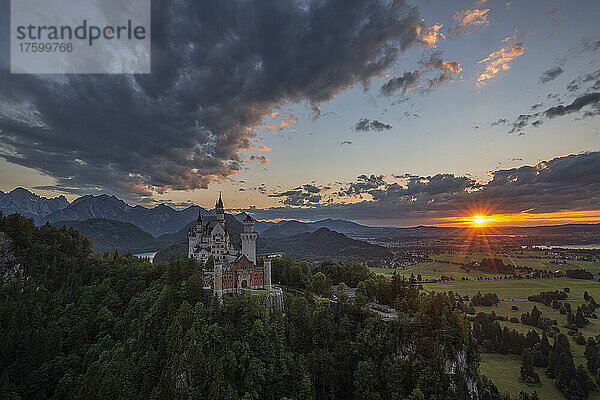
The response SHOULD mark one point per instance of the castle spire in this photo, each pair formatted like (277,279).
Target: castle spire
(220,211)
(199,220)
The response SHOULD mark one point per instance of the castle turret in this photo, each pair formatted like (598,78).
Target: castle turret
(194,235)
(249,239)
(267,274)
(220,211)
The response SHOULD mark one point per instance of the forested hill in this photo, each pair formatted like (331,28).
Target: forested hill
(322,244)
(114,235)
(78,326)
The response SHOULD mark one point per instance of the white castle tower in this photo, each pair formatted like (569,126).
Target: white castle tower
(249,240)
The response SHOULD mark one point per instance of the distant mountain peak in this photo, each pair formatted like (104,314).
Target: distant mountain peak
(30,205)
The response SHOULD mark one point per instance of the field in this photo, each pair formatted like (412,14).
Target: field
(538,259)
(433,270)
(504,369)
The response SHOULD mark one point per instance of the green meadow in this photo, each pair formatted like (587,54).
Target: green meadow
(504,369)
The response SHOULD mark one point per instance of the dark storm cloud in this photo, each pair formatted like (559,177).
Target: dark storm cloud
(550,74)
(218,69)
(366,125)
(563,183)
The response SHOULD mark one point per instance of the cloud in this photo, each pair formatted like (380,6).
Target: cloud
(588,102)
(500,121)
(218,68)
(469,19)
(576,84)
(300,196)
(553,96)
(589,99)
(550,74)
(564,183)
(406,114)
(409,81)
(449,69)
(586,44)
(259,159)
(433,35)
(500,60)
(536,106)
(521,122)
(406,82)
(366,125)
(364,184)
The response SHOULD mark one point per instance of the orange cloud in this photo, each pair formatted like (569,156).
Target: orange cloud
(265,148)
(452,67)
(281,126)
(433,35)
(500,60)
(470,18)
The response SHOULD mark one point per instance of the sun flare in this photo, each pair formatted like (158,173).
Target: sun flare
(479,220)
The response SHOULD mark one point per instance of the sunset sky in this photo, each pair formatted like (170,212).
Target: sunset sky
(382,112)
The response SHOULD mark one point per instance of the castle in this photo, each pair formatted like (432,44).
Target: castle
(235,269)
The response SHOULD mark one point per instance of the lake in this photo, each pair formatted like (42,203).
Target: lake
(570,246)
(146,255)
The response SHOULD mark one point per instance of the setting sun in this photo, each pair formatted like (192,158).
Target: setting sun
(479,220)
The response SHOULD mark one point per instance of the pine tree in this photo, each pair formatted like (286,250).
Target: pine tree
(592,356)
(528,374)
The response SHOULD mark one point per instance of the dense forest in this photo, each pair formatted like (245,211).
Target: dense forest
(76,325)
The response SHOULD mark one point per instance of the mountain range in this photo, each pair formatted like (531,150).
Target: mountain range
(169,226)
(22,201)
(157,221)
